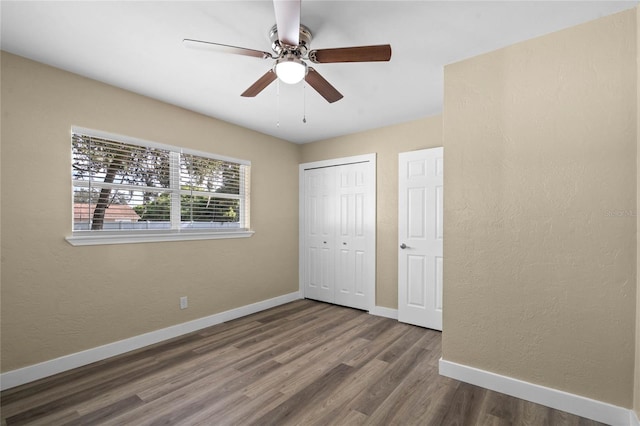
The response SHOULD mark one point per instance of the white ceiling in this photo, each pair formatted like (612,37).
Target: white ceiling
(138,46)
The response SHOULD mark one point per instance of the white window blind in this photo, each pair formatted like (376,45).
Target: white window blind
(125,185)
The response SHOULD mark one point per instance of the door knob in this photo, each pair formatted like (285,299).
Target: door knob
(403,246)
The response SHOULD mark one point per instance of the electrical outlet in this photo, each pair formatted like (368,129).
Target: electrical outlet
(184,302)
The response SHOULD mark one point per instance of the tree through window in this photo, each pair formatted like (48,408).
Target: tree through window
(124,184)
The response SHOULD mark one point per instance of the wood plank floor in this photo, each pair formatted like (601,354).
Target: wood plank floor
(303,363)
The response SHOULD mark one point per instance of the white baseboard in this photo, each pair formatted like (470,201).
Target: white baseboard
(34,372)
(633,418)
(559,400)
(381,311)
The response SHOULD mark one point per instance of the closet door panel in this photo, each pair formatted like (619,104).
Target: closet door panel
(351,241)
(319,238)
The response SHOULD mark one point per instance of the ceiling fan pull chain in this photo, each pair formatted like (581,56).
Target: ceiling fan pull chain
(304,102)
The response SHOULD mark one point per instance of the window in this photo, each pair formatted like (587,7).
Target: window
(129,190)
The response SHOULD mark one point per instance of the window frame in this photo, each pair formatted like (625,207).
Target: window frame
(88,237)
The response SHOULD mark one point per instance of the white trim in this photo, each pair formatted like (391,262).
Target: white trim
(142,237)
(381,311)
(633,418)
(339,161)
(34,372)
(557,399)
(301,204)
(370,158)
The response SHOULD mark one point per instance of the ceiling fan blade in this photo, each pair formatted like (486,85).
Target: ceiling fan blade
(288,21)
(381,52)
(322,86)
(224,48)
(260,85)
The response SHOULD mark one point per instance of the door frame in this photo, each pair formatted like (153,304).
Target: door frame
(372,190)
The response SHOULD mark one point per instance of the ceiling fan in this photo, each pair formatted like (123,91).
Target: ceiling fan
(291,41)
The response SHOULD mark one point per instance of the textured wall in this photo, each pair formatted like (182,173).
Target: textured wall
(387,142)
(540,187)
(637,370)
(58,299)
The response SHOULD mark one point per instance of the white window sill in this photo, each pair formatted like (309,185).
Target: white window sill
(81,239)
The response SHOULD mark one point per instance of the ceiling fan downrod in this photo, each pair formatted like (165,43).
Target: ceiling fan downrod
(300,50)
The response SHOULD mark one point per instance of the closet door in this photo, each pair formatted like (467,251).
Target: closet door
(319,219)
(337,231)
(352,256)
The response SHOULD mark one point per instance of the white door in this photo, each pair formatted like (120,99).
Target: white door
(337,231)
(319,245)
(352,235)
(420,214)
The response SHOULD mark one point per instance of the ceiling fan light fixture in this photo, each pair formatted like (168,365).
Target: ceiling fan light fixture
(290,69)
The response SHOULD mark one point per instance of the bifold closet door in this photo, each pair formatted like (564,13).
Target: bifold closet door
(338,230)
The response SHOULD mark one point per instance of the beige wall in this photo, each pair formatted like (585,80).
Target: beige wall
(540,187)
(637,369)
(58,299)
(387,142)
